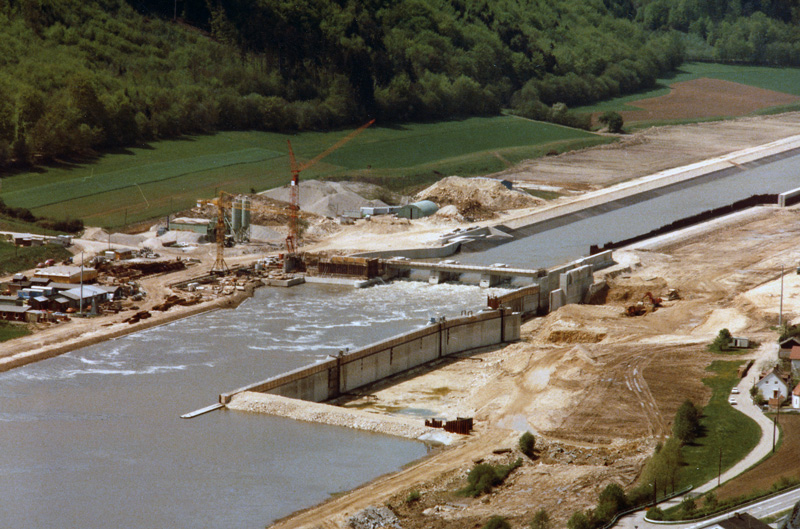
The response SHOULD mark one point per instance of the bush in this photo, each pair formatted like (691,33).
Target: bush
(496,522)
(527,442)
(413,496)
(612,500)
(484,476)
(579,520)
(722,342)
(688,506)
(612,120)
(686,425)
(656,514)
(541,520)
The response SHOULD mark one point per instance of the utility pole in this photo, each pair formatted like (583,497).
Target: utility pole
(780,310)
(719,467)
(774,428)
(80,301)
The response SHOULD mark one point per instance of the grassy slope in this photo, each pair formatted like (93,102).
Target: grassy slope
(9,331)
(726,429)
(153,180)
(23,258)
(778,79)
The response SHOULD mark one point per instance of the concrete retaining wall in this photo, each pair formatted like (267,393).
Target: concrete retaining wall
(573,287)
(329,378)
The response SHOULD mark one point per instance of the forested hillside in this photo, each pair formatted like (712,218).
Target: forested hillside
(80,76)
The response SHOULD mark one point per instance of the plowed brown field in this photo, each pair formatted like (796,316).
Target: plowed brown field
(706,98)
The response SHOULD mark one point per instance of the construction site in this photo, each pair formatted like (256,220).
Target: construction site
(628,327)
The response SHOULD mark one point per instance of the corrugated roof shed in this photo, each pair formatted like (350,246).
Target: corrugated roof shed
(417,210)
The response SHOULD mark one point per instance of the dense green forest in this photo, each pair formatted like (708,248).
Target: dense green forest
(81,76)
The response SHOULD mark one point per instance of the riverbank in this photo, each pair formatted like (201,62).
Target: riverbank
(79,333)
(410,428)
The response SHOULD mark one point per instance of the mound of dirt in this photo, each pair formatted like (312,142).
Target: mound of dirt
(575,336)
(329,199)
(630,290)
(477,198)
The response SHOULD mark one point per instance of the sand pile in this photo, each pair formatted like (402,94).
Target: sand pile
(477,198)
(329,199)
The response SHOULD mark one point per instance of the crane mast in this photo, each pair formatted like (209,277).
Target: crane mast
(294,234)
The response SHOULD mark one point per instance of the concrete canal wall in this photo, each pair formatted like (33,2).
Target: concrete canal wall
(349,371)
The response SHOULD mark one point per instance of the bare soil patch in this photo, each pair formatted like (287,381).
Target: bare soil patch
(706,98)
(649,151)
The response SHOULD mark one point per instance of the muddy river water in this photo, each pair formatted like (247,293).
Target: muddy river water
(93,438)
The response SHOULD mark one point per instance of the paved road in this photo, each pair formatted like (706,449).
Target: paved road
(763,448)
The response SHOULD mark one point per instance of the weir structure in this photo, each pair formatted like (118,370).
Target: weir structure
(348,371)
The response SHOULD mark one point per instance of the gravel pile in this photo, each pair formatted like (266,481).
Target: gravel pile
(328,199)
(374,518)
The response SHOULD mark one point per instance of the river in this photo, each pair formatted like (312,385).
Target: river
(93,438)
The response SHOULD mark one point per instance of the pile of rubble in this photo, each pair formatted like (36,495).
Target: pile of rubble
(134,269)
(374,518)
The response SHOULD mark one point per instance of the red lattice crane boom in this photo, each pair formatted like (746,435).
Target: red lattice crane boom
(295,167)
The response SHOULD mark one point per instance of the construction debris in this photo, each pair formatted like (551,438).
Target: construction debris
(374,518)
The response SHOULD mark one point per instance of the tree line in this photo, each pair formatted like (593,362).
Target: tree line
(81,76)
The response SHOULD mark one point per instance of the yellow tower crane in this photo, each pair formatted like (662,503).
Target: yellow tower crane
(295,167)
(224,202)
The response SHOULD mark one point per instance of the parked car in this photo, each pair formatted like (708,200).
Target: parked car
(732,401)
(735,391)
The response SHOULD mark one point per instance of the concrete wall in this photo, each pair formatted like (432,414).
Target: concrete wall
(416,253)
(598,260)
(347,372)
(524,300)
(784,198)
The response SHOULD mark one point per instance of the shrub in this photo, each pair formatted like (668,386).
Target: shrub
(656,514)
(579,520)
(541,520)
(413,496)
(612,500)
(527,442)
(686,425)
(721,342)
(688,506)
(484,476)
(496,522)
(612,120)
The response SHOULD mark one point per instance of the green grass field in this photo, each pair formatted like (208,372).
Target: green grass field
(13,259)
(146,182)
(785,80)
(727,430)
(9,331)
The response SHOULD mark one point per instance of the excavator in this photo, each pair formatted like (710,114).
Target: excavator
(649,303)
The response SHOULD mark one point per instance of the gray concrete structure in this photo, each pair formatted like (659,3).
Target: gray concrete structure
(346,372)
(783,198)
(573,286)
